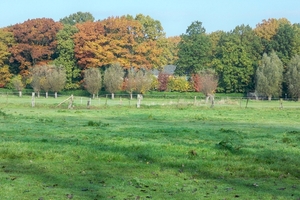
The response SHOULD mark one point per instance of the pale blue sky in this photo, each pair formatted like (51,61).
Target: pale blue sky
(174,15)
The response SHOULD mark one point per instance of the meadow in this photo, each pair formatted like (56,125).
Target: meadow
(179,150)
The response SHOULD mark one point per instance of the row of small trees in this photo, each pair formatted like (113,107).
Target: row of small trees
(52,78)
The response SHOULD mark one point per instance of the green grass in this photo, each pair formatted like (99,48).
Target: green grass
(178,151)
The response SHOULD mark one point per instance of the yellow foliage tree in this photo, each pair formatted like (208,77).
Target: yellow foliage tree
(5,76)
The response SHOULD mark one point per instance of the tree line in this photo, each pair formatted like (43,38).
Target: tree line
(264,59)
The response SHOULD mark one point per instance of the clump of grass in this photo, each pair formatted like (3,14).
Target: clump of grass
(45,120)
(99,124)
(2,113)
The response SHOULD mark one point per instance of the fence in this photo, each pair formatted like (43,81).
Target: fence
(64,101)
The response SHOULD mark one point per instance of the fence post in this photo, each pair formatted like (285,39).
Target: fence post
(247,102)
(32,99)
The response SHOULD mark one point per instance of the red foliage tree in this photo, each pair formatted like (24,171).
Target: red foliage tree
(163,81)
(36,41)
(196,82)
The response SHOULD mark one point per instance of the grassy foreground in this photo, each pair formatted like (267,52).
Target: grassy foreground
(158,152)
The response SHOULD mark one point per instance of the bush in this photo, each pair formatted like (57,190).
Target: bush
(178,84)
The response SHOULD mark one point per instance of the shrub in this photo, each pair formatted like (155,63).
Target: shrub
(178,84)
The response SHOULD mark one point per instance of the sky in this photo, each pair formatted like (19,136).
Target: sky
(174,15)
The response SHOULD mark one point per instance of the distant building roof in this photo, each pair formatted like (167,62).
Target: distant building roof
(168,69)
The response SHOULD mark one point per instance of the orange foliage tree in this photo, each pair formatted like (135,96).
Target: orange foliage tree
(115,39)
(35,42)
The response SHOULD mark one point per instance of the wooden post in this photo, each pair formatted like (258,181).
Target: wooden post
(247,102)
(88,103)
(138,105)
(70,106)
(281,106)
(32,99)
(212,101)
(241,102)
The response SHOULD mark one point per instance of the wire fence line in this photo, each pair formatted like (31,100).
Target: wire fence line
(64,101)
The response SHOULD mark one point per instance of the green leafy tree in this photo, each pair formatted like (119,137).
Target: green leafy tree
(296,41)
(283,41)
(233,64)
(193,50)
(92,80)
(292,77)
(151,28)
(5,75)
(269,76)
(78,17)
(113,78)
(66,56)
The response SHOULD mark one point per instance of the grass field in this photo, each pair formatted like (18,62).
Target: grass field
(178,151)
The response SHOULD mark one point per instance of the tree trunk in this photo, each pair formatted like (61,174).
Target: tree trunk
(269,97)
(93,96)
(20,93)
(131,96)
(138,105)
(112,96)
(206,98)
(32,99)
(55,95)
(38,94)
(46,94)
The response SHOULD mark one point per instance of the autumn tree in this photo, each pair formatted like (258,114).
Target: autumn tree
(5,76)
(18,84)
(92,80)
(44,81)
(130,82)
(143,80)
(56,77)
(267,29)
(269,76)
(209,82)
(163,79)
(196,82)
(66,56)
(35,42)
(113,78)
(108,41)
(37,73)
(6,41)
(292,77)
(116,39)
(75,18)
(178,84)
(194,50)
